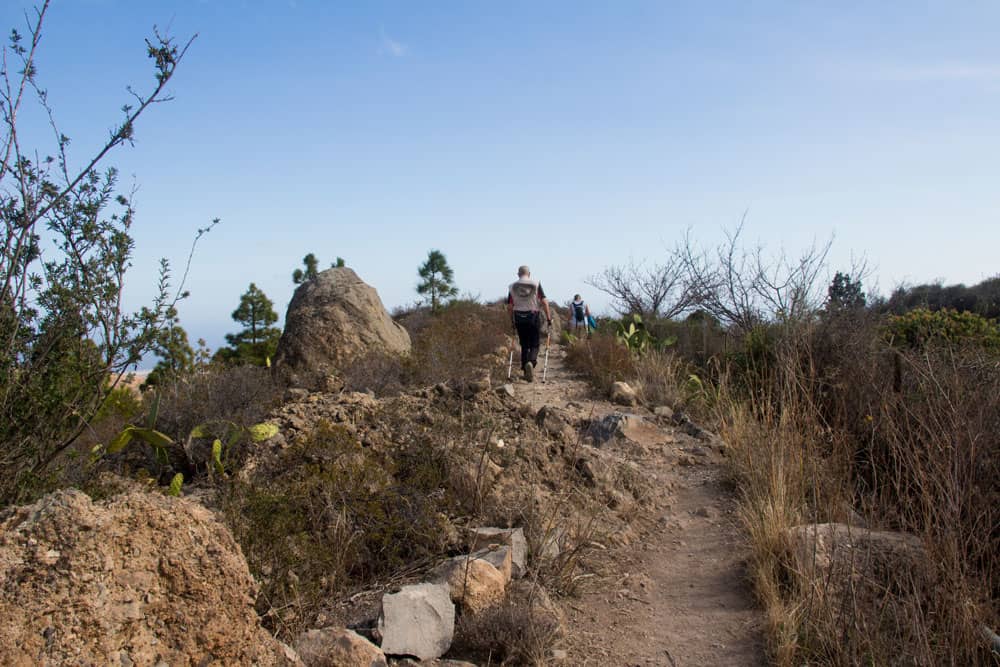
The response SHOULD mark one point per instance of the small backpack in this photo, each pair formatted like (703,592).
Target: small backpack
(578,313)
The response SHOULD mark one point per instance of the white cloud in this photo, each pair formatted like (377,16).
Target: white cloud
(389,46)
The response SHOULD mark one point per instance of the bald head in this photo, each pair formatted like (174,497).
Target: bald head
(523,271)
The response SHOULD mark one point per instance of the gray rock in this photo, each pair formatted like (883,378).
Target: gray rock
(333,320)
(664,411)
(506,391)
(419,620)
(552,420)
(513,538)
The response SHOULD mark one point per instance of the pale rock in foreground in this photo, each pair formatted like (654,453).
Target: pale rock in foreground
(472,582)
(419,620)
(623,394)
(338,647)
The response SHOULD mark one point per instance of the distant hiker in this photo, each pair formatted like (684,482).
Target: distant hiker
(579,314)
(524,298)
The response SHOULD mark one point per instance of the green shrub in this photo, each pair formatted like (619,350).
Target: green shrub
(332,520)
(921,327)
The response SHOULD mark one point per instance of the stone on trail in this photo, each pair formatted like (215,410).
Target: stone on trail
(419,620)
(664,411)
(506,391)
(623,394)
(333,320)
(338,647)
(512,537)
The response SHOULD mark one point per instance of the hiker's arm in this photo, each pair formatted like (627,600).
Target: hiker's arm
(510,308)
(545,306)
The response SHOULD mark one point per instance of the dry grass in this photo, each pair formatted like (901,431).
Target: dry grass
(824,439)
(603,359)
(455,344)
(521,631)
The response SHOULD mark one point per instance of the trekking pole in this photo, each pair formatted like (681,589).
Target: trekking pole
(510,364)
(545,366)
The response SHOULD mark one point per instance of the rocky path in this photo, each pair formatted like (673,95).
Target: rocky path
(678,595)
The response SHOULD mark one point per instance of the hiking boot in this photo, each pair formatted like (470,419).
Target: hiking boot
(529,372)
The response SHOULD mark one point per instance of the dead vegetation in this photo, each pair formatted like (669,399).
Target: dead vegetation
(841,414)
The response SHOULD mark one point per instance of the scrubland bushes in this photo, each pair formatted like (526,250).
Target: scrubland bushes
(844,413)
(447,345)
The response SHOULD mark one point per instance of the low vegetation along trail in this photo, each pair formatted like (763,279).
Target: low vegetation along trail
(678,594)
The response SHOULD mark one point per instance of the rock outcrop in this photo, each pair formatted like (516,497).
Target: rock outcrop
(333,320)
(139,578)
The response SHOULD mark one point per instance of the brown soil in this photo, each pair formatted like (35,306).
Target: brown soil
(678,595)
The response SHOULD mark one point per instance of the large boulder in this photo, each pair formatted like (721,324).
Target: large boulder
(332,321)
(139,578)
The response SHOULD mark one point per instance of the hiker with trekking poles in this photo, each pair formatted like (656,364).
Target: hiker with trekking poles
(525,300)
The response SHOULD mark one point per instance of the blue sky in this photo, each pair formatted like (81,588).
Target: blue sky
(564,135)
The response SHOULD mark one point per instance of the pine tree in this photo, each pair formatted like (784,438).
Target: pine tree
(175,353)
(258,341)
(438,279)
(312,269)
(844,293)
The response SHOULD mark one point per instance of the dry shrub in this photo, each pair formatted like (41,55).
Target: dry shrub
(603,359)
(838,423)
(452,344)
(243,395)
(658,375)
(521,631)
(379,372)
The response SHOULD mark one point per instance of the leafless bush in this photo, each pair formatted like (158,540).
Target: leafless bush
(379,372)
(744,287)
(452,343)
(655,291)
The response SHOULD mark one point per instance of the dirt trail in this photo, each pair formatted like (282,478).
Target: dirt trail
(677,596)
